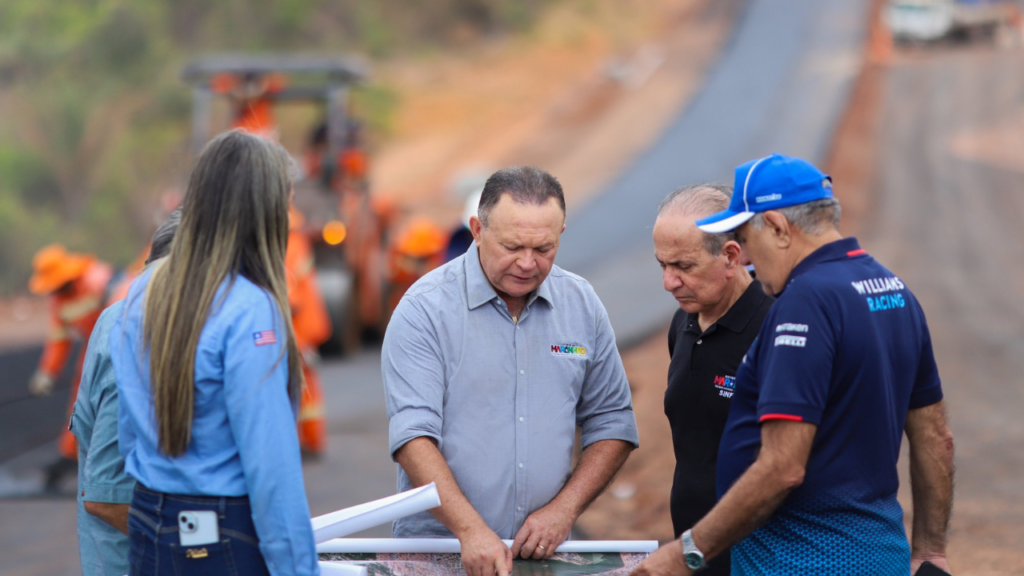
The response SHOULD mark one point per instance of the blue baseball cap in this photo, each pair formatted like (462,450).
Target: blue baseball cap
(768,183)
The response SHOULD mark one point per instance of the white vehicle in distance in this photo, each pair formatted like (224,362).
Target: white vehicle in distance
(930,21)
(919,20)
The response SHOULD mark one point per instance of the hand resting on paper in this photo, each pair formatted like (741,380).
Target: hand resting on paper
(543,531)
(484,554)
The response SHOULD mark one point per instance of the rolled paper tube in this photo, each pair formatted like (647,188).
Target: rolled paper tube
(451,545)
(353,519)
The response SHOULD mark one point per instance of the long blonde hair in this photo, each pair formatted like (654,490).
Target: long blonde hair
(234,222)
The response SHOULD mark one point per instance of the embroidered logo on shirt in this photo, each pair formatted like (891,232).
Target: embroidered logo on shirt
(790,327)
(726,385)
(797,341)
(265,337)
(568,350)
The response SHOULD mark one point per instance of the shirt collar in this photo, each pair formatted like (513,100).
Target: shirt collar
(741,312)
(844,248)
(479,289)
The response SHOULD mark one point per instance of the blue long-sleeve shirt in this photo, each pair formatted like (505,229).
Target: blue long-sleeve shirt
(244,440)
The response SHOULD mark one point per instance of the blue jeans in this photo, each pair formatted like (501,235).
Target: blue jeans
(155,548)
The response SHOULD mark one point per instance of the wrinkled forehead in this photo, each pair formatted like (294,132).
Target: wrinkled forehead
(677,233)
(511,220)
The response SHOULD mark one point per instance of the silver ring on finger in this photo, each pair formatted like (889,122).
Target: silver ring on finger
(542,548)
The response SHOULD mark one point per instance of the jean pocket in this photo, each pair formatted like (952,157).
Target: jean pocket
(206,560)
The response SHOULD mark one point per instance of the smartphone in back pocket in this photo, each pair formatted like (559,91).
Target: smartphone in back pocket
(198,527)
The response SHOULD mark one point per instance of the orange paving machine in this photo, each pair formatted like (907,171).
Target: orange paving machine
(343,228)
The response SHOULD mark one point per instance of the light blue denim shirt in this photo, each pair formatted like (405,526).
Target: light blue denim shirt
(244,440)
(502,399)
(101,477)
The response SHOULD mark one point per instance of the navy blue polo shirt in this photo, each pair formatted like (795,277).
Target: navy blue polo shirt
(845,347)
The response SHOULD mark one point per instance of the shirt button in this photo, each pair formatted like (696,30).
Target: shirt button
(520,508)
(520,419)
(520,464)
(522,371)
(700,341)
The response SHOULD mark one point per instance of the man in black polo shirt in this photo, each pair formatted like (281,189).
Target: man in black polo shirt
(721,309)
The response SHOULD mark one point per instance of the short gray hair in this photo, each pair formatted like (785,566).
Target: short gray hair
(812,218)
(701,200)
(525,184)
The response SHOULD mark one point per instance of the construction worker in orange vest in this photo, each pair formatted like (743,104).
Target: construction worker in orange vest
(418,249)
(77,286)
(312,328)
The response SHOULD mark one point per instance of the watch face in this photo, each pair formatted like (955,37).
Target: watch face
(694,560)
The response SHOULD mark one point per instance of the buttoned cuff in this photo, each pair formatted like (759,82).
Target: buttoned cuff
(287,557)
(618,425)
(108,493)
(413,423)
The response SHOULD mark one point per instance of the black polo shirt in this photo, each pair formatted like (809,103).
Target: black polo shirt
(701,378)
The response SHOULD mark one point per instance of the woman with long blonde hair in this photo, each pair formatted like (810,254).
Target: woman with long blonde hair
(208,377)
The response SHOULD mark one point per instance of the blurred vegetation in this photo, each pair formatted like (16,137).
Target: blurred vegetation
(94,119)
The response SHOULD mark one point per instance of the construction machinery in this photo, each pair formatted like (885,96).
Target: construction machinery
(346,228)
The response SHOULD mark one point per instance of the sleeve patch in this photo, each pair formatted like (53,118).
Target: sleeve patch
(264,337)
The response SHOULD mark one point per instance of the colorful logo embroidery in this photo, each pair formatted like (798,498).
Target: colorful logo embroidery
(264,337)
(726,385)
(568,350)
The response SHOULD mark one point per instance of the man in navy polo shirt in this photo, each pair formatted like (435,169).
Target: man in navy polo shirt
(841,368)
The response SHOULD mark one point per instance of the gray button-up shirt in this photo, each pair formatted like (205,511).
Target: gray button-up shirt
(502,400)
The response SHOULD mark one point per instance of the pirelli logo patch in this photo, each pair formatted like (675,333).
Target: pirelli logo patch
(795,341)
(568,350)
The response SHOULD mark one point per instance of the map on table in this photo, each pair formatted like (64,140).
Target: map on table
(450,564)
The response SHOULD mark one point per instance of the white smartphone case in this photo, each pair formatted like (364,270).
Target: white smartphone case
(198,527)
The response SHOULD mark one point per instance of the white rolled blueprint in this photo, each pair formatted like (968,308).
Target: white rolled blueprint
(451,545)
(355,518)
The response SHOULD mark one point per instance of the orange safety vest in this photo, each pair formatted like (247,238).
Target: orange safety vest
(310,318)
(74,315)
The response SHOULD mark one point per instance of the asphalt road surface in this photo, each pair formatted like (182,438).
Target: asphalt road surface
(950,225)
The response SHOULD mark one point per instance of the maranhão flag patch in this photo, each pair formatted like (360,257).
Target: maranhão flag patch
(264,337)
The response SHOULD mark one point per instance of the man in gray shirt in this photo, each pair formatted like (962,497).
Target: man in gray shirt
(490,363)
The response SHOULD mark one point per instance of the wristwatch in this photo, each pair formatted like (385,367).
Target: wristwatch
(693,557)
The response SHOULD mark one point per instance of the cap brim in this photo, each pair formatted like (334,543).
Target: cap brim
(725,221)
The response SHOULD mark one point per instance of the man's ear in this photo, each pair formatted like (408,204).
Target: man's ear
(732,252)
(476,227)
(781,229)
